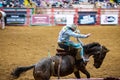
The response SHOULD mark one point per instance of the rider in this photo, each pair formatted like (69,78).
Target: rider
(65,42)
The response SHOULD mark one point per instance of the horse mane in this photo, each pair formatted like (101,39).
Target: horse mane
(90,45)
(88,48)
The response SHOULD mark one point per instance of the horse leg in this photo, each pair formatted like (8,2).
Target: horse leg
(42,70)
(83,70)
(39,75)
(77,74)
(41,78)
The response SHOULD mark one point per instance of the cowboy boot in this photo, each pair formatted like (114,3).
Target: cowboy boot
(79,56)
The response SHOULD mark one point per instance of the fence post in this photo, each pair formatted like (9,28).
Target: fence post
(119,17)
(76,16)
(28,17)
(98,16)
(52,16)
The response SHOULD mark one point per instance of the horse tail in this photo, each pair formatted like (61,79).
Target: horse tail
(17,71)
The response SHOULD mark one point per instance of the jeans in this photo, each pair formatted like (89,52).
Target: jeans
(75,45)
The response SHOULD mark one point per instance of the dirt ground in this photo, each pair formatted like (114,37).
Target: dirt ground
(23,46)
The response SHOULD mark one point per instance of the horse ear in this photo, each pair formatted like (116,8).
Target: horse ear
(105,49)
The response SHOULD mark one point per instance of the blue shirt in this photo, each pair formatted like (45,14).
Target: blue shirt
(66,33)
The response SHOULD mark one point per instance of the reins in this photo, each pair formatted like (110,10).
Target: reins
(60,60)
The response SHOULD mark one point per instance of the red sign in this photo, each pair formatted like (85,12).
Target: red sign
(39,19)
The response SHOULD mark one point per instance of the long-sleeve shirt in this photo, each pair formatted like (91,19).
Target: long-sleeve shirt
(66,33)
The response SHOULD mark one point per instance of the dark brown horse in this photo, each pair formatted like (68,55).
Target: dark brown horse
(63,65)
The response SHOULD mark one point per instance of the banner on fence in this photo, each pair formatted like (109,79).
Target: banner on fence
(40,19)
(17,16)
(13,19)
(64,19)
(109,19)
(87,18)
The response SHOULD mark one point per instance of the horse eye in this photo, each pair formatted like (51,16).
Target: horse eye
(98,51)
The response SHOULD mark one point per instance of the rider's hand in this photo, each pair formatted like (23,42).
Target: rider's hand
(77,31)
(88,34)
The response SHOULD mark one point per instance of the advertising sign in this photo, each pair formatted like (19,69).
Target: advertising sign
(18,16)
(109,19)
(15,19)
(39,19)
(87,18)
(64,19)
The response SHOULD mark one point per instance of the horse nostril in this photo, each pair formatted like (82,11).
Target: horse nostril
(96,66)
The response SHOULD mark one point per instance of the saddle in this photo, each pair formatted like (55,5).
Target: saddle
(61,52)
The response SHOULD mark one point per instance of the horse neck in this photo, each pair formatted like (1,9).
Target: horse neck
(89,50)
(87,55)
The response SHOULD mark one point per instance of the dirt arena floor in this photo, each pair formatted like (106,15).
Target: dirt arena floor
(23,46)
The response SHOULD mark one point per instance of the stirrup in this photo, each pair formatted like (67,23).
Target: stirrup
(85,60)
(60,50)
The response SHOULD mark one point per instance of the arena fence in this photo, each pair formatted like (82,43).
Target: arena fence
(58,16)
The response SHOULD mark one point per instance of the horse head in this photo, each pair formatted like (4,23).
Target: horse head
(98,51)
(99,56)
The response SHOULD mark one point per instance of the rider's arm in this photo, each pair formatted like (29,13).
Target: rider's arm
(76,35)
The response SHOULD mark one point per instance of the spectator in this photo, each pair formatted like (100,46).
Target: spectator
(38,3)
(43,4)
(109,5)
(115,5)
(16,3)
(11,4)
(104,5)
(1,3)
(4,3)
(21,3)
